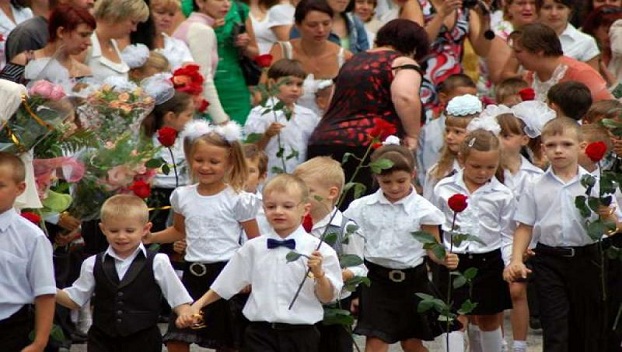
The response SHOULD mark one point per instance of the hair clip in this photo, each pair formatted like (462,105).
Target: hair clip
(534,114)
(464,105)
(486,123)
(230,131)
(472,142)
(159,87)
(135,55)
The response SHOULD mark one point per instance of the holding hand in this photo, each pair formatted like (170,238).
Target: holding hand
(451,261)
(515,271)
(179,246)
(446,8)
(190,315)
(68,222)
(273,129)
(315,264)
(242,40)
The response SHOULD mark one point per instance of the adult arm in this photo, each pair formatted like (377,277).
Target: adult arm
(411,10)
(478,25)
(444,9)
(406,100)
(499,59)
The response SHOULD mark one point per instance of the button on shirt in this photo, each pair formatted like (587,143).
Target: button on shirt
(172,288)
(488,215)
(26,268)
(275,281)
(387,227)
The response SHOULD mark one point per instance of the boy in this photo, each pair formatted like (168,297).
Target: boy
(257,162)
(506,92)
(431,137)
(325,179)
(26,268)
(568,282)
(262,263)
(292,123)
(128,282)
(570,99)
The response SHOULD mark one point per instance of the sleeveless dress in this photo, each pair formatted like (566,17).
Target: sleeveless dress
(310,84)
(230,84)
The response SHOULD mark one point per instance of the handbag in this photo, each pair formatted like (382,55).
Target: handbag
(250,70)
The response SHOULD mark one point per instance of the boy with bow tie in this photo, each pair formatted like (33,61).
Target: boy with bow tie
(262,263)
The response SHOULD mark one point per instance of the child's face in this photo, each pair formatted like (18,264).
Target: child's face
(254,178)
(124,233)
(511,100)
(395,185)
(284,210)
(210,164)
(290,89)
(321,197)
(178,121)
(479,167)
(511,144)
(454,137)
(364,9)
(561,150)
(9,189)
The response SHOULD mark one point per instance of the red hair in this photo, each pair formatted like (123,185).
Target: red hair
(69,17)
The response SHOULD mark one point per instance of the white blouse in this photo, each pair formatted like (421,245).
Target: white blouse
(263,34)
(176,52)
(101,67)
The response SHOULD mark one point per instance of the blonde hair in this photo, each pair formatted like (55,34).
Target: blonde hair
(604,109)
(447,158)
(596,133)
(155,61)
(479,140)
(323,169)
(252,152)
(560,126)
(287,183)
(238,174)
(15,164)
(174,5)
(124,206)
(118,10)
(509,87)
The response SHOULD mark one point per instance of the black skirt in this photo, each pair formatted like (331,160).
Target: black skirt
(388,307)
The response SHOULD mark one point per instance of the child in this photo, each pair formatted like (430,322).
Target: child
(568,281)
(591,133)
(145,64)
(27,271)
(388,309)
(570,99)
(257,162)
(604,109)
(488,216)
(460,111)
(210,214)
(325,179)
(127,282)
(430,141)
(506,92)
(277,129)
(261,263)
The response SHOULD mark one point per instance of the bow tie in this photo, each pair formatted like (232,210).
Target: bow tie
(272,243)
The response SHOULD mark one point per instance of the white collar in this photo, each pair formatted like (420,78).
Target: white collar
(580,172)
(110,251)
(7,218)
(490,186)
(378,197)
(336,220)
(528,166)
(571,32)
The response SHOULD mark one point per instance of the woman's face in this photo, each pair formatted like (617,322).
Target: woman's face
(78,40)
(338,6)
(364,9)
(163,18)
(522,12)
(216,9)
(598,3)
(316,26)
(554,15)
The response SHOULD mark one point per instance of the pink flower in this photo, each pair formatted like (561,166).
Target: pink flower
(47,90)
(119,176)
(57,93)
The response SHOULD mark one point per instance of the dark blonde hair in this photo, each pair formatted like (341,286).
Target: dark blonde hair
(286,68)
(324,170)
(446,160)
(604,109)
(560,126)
(238,174)
(124,206)
(596,133)
(15,164)
(508,87)
(252,152)
(479,140)
(512,125)
(401,157)
(287,183)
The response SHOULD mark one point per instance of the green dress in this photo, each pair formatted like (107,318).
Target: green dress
(232,90)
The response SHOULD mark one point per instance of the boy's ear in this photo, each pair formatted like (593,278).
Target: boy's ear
(102,227)
(524,140)
(21,187)
(307,208)
(333,192)
(147,228)
(583,146)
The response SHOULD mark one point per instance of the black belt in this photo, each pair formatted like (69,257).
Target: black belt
(281,326)
(395,275)
(201,269)
(480,256)
(567,252)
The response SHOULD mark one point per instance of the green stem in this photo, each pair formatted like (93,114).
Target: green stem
(278,139)
(174,167)
(357,170)
(449,284)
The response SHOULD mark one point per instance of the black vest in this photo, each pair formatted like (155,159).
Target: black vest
(126,307)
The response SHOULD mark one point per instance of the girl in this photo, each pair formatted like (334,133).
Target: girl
(394,258)
(488,217)
(210,215)
(460,111)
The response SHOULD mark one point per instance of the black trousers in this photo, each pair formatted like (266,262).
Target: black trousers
(571,301)
(336,337)
(147,340)
(15,329)
(264,337)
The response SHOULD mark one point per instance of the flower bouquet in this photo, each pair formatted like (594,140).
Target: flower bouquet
(40,112)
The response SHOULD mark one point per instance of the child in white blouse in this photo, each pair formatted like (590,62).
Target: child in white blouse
(395,260)
(488,216)
(288,127)
(210,215)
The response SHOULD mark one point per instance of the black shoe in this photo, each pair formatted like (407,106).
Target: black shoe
(534,323)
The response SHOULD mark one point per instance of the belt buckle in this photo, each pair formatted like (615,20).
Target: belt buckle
(572,253)
(201,271)
(397,275)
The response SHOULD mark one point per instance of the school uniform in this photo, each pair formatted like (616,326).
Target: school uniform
(568,282)
(26,272)
(127,293)
(489,218)
(262,263)
(395,260)
(430,181)
(335,338)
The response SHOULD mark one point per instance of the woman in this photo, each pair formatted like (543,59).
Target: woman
(589,6)
(281,19)
(516,13)
(598,24)
(320,58)
(538,49)
(70,30)
(382,83)
(163,14)
(12,13)
(258,13)
(116,19)
(365,9)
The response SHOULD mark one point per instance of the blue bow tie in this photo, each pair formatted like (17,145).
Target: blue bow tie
(272,243)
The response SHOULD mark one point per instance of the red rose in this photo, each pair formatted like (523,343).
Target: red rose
(202,105)
(458,202)
(307,223)
(382,129)
(596,151)
(167,136)
(141,189)
(188,79)
(32,217)
(263,61)
(527,94)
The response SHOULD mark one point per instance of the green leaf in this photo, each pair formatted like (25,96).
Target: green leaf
(458,238)
(424,296)
(166,169)
(439,251)
(588,181)
(613,125)
(154,247)
(424,306)
(446,317)
(359,190)
(280,152)
(593,203)
(155,163)
(336,316)
(354,282)
(293,154)
(253,138)
(279,106)
(607,183)
(266,111)
(423,237)
(613,253)
(277,170)
(292,256)
(348,260)
(345,157)
(379,165)
(470,273)
(331,238)
(352,228)
(580,202)
(598,228)
(459,281)
(467,307)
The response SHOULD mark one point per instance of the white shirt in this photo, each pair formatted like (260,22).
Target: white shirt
(548,204)
(172,288)
(163,180)
(430,182)
(488,215)
(387,227)
(213,222)
(26,268)
(6,26)
(294,136)
(355,245)
(430,144)
(578,45)
(262,220)
(176,52)
(101,67)
(263,34)
(281,15)
(275,281)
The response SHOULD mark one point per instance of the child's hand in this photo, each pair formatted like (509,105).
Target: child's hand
(188,317)
(315,264)
(515,271)
(605,211)
(273,129)
(451,261)
(179,246)
(528,254)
